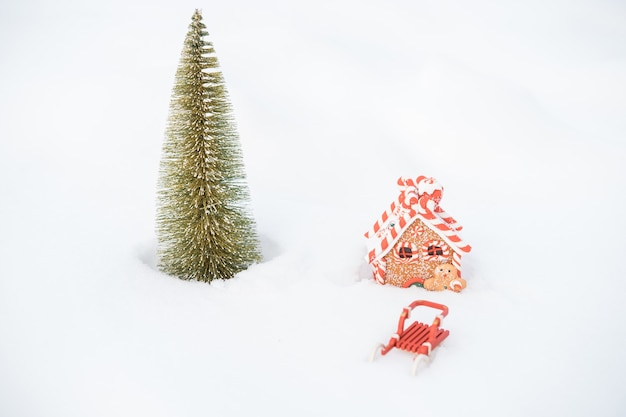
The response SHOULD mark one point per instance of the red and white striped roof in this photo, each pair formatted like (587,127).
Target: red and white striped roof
(419,199)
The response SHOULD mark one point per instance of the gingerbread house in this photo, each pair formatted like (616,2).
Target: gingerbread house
(415,240)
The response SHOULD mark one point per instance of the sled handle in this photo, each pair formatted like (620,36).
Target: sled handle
(431,304)
(407,310)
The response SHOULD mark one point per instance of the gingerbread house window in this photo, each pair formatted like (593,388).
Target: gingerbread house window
(405,252)
(434,250)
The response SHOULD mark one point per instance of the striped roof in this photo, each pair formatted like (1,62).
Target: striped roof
(418,199)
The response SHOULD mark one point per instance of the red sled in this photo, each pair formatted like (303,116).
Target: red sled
(418,338)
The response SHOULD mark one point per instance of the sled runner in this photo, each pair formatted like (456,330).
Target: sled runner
(417,338)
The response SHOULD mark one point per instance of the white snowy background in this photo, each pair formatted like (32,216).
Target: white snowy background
(517,108)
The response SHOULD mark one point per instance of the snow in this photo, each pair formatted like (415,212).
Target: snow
(517,108)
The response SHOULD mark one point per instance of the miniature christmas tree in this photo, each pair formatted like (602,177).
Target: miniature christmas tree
(204,225)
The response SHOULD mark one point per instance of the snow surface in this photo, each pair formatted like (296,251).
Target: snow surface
(516,107)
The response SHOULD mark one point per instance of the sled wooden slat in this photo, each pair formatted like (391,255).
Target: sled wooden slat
(417,334)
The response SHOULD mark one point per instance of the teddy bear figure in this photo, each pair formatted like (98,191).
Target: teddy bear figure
(445,276)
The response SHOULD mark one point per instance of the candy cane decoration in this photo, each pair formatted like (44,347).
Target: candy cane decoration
(426,209)
(395,230)
(456,261)
(451,221)
(384,219)
(379,266)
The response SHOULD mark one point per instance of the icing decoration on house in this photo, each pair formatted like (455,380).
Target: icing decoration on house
(415,242)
